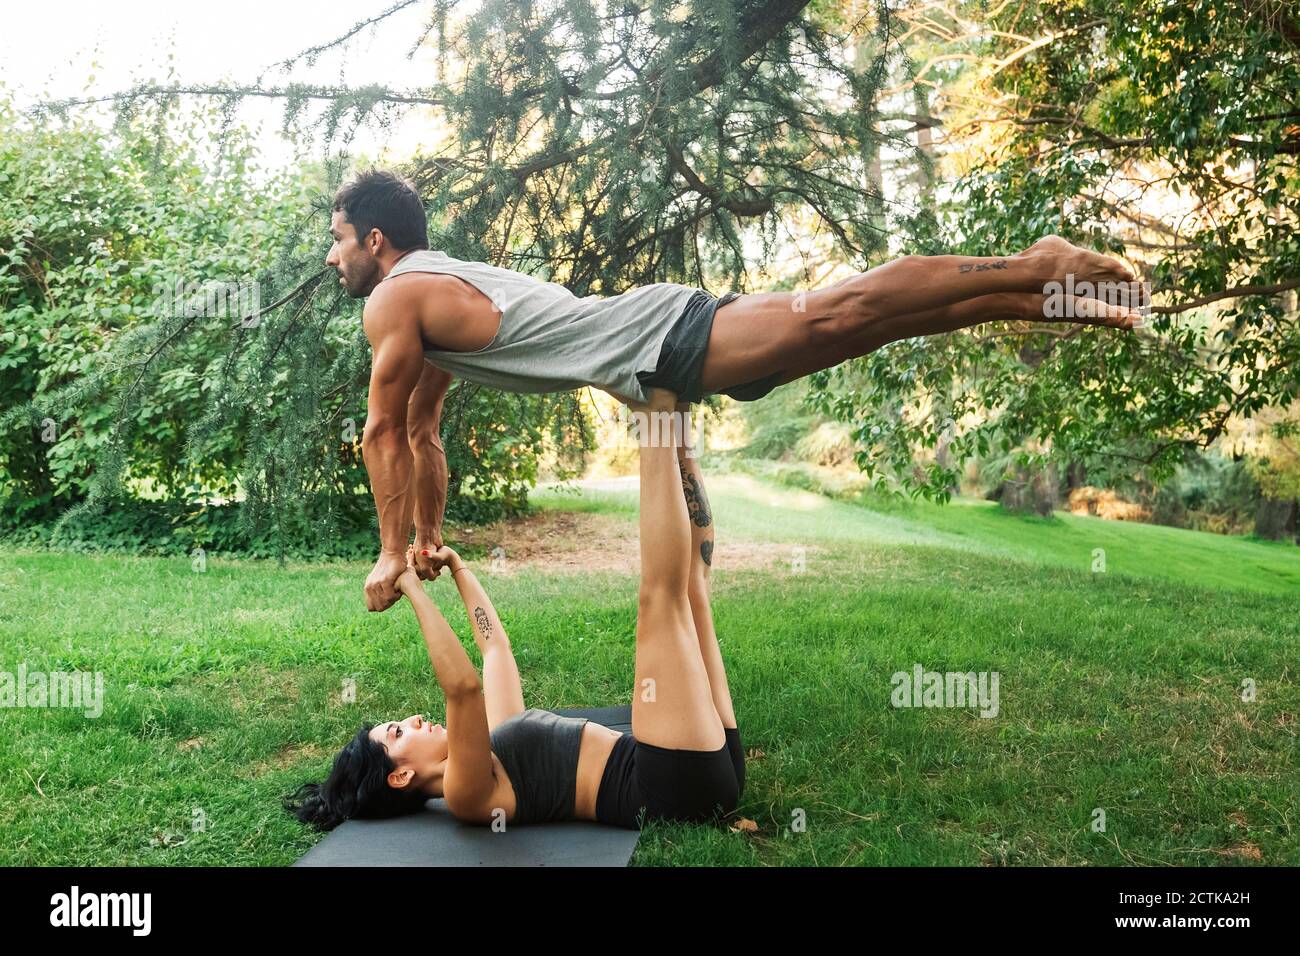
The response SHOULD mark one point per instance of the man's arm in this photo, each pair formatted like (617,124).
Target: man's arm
(423,426)
(396,367)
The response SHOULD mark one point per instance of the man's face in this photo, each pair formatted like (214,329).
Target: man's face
(357,266)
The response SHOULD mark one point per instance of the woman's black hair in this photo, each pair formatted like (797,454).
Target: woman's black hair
(356,787)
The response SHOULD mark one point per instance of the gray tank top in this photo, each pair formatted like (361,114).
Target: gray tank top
(539,751)
(550,340)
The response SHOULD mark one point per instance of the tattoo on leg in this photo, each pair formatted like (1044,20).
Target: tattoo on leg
(484,625)
(982,266)
(706,552)
(696,503)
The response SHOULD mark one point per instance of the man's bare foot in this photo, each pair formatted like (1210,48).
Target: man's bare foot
(1039,307)
(1061,258)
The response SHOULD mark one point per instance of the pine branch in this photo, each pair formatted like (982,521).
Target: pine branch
(311,54)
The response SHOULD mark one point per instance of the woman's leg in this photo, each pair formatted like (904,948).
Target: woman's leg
(672,703)
(697,588)
(697,505)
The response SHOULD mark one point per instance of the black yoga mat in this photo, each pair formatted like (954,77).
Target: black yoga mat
(436,838)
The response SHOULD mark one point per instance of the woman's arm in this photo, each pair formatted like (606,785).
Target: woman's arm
(470,779)
(502,688)
(451,665)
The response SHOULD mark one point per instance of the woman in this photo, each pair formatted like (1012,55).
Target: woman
(497,762)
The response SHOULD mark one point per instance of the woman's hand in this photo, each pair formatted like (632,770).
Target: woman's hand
(427,563)
(445,557)
(409,580)
(425,546)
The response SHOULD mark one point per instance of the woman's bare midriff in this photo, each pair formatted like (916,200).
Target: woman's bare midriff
(597,744)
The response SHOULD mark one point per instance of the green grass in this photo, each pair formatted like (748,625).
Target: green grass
(751,507)
(1119,690)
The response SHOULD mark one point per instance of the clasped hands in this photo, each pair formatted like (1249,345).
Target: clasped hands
(393,572)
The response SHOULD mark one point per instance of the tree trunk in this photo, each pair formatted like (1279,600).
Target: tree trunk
(1275,518)
(1030,491)
(866,50)
(1076,476)
(925,148)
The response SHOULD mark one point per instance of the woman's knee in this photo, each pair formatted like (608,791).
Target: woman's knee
(661,601)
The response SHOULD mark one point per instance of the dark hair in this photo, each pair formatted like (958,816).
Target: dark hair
(356,787)
(381,199)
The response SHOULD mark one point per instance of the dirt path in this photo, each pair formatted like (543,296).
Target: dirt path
(574,541)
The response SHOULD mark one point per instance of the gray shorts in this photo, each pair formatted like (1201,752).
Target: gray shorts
(681,360)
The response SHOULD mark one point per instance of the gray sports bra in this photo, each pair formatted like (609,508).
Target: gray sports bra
(539,751)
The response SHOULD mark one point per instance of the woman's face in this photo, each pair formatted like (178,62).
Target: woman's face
(417,747)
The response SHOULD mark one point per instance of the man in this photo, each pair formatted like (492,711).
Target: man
(430,317)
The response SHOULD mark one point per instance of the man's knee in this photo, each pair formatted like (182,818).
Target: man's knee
(839,316)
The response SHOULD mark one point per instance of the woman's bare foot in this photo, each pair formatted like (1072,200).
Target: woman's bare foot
(658,424)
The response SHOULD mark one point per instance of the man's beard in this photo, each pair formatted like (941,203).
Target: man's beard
(364,283)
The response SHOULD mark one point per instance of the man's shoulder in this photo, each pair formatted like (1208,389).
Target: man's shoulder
(407,297)
(410,287)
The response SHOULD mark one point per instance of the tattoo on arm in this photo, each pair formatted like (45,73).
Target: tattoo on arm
(696,503)
(706,552)
(982,266)
(484,625)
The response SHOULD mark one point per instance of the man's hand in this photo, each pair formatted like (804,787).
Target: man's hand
(427,565)
(381,585)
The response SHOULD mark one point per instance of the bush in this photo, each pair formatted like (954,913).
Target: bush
(106,393)
(1208,492)
(135,526)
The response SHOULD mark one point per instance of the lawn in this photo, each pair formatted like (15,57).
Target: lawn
(1120,691)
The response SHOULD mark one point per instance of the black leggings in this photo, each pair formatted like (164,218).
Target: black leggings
(644,782)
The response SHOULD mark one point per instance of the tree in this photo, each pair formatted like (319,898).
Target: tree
(601,147)
(138,357)
(1163,132)
(605,147)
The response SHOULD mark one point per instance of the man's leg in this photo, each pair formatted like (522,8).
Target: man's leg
(1002,306)
(758,335)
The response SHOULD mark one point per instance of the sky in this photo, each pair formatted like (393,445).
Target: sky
(50,52)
